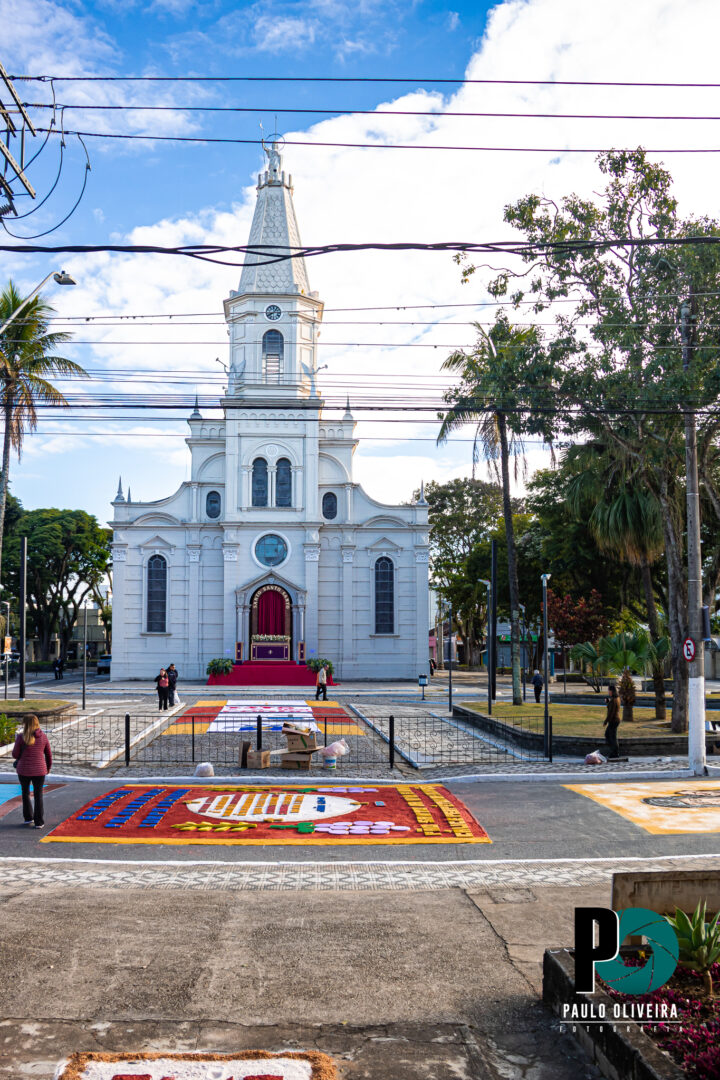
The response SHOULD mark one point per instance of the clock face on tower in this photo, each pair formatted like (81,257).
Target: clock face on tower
(273,312)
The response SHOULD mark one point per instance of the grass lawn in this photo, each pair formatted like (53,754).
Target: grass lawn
(40,706)
(581,719)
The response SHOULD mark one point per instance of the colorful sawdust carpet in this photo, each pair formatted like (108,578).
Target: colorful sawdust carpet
(244,1065)
(661,808)
(223,716)
(273,814)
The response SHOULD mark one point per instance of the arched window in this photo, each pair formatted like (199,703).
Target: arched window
(156,595)
(283,483)
(329,505)
(272,354)
(212,504)
(260,482)
(384,596)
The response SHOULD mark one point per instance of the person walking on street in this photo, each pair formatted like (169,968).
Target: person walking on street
(163,686)
(537,681)
(56,668)
(61,665)
(612,722)
(34,761)
(321,684)
(172,675)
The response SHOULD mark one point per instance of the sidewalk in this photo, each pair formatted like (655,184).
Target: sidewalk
(435,985)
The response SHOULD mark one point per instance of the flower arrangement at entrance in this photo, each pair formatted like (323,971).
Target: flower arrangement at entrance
(316,662)
(270,637)
(223,665)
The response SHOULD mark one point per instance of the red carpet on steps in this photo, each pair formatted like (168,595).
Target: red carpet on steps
(266,673)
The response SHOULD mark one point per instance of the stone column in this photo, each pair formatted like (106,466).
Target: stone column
(348,614)
(231,567)
(312,635)
(348,503)
(121,628)
(245,493)
(297,499)
(195,609)
(422,610)
(272,472)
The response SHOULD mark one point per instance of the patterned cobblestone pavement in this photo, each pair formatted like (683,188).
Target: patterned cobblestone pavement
(397,876)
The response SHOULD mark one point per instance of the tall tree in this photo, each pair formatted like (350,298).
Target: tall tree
(68,558)
(496,382)
(462,514)
(26,361)
(622,265)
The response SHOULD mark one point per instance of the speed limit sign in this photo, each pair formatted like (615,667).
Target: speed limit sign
(689,649)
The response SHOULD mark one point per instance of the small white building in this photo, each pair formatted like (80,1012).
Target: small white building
(271,553)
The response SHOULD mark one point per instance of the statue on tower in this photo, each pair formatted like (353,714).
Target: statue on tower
(274,156)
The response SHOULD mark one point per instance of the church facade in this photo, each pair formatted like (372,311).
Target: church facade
(271,553)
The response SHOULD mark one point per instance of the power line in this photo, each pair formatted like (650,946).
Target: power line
(386,145)
(438,113)
(362,79)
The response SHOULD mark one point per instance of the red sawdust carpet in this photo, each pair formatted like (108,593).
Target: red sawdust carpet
(270,814)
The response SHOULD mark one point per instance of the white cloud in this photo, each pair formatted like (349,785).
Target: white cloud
(287,34)
(386,195)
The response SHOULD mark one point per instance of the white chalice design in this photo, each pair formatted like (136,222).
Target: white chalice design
(284,806)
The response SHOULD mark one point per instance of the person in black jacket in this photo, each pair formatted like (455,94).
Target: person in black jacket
(537,681)
(172,683)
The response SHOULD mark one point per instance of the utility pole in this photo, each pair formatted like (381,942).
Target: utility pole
(450,657)
(23,616)
(493,622)
(694,646)
(84,653)
(546,672)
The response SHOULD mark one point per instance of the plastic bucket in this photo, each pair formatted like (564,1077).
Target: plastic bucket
(330,762)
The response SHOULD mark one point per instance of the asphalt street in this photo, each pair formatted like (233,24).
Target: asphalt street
(524,819)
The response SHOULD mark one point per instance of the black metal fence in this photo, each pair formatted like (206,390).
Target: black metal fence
(374,739)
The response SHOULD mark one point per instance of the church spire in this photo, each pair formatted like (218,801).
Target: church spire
(274,232)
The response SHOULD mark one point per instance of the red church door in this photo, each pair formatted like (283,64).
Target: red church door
(271,624)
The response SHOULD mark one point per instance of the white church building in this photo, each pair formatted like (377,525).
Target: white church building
(271,554)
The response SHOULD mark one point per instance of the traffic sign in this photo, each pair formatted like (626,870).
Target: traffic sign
(689,649)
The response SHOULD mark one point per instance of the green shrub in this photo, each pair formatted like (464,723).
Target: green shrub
(698,941)
(316,662)
(222,665)
(8,729)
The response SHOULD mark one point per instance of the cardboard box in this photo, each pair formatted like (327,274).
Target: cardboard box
(258,759)
(295,761)
(297,741)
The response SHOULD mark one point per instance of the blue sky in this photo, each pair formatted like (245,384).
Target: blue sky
(154,191)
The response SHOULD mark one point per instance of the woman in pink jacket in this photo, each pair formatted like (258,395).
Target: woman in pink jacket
(34,761)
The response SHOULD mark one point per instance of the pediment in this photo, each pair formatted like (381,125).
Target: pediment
(268,578)
(157,543)
(155,518)
(382,521)
(383,544)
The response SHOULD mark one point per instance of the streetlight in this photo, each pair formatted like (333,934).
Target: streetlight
(450,656)
(548,733)
(84,652)
(488,586)
(524,652)
(6,604)
(60,278)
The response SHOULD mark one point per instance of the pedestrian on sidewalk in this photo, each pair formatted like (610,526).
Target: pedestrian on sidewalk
(56,668)
(321,684)
(163,686)
(612,721)
(537,681)
(173,696)
(34,761)
(61,665)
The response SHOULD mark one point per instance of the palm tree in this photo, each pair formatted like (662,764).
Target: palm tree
(26,346)
(491,380)
(626,520)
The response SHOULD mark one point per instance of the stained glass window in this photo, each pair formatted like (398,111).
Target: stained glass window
(156,594)
(283,483)
(271,550)
(329,505)
(212,504)
(259,482)
(384,596)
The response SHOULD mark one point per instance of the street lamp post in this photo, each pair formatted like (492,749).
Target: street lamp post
(84,653)
(488,586)
(6,604)
(524,652)
(546,671)
(59,277)
(450,657)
